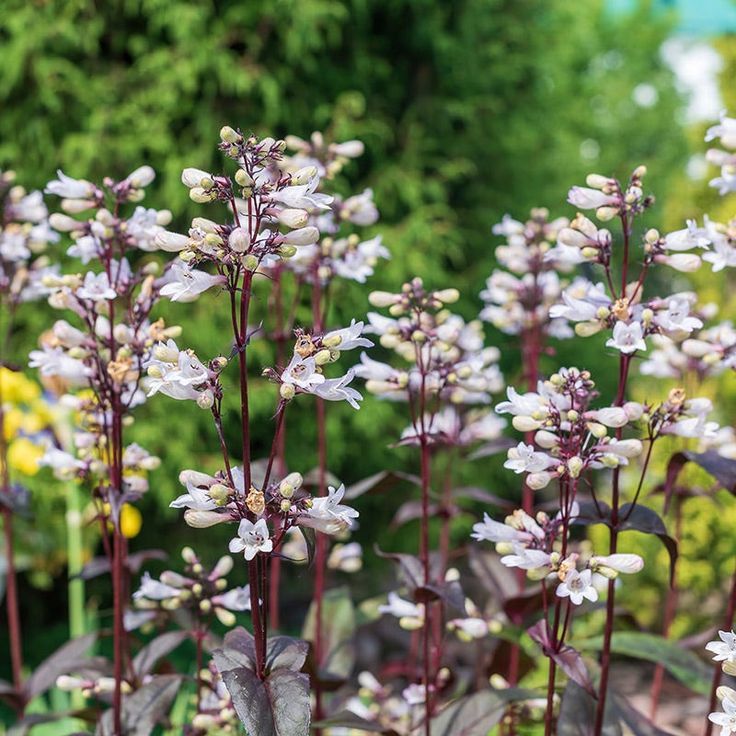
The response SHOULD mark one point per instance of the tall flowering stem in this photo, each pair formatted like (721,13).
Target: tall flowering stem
(449,371)
(268,211)
(106,355)
(24,236)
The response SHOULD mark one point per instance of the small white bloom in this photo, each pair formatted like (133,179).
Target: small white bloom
(627,338)
(725,649)
(577,586)
(252,539)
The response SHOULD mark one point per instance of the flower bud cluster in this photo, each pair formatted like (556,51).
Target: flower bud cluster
(573,435)
(271,210)
(215,712)
(609,198)
(202,591)
(446,355)
(518,299)
(25,234)
(342,252)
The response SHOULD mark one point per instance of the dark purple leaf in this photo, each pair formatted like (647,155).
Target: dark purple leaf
(347,719)
(496,578)
(310,539)
(473,715)
(143,709)
(159,647)
(410,510)
(643,519)
(568,659)
(411,570)
(238,649)
(69,657)
(723,469)
(285,652)
(134,562)
(492,448)
(638,724)
(451,593)
(577,714)
(276,706)
(525,604)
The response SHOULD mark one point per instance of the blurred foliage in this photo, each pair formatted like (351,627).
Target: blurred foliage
(468,110)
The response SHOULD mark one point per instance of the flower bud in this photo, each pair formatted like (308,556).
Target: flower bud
(575,466)
(230,135)
(537,481)
(597,181)
(63,223)
(447,296)
(302,236)
(322,357)
(382,298)
(586,329)
(239,240)
(290,483)
(191,178)
(287,391)
(294,218)
(141,177)
(604,214)
(225,617)
(525,424)
(204,519)
(243,178)
(206,399)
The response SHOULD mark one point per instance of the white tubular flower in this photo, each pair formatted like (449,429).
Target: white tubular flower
(65,186)
(468,629)
(577,586)
(683,262)
(96,286)
(191,178)
(611,565)
(252,539)
(327,514)
(346,557)
(676,318)
(154,590)
(302,372)
(237,599)
(348,338)
(524,459)
(624,448)
(627,338)
(591,199)
(725,649)
(727,719)
(179,380)
(337,389)
(303,196)
(64,465)
(722,256)
(55,362)
(410,615)
(185,284)
(725,130)
(613,416)
(360,209)
(527,404)
(527,559)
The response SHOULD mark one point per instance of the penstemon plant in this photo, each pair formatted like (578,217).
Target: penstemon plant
(24,236)
(585,455)
(262,200)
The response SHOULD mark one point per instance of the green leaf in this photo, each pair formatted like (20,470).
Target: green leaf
(689,669)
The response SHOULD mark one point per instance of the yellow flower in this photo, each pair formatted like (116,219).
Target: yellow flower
(131,521)
(16,388)
(23,456)
(12,422)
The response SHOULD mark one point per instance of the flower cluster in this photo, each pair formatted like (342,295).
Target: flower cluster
(518,299)
(202,591)
(304,373)
(215,712)
(270,209)
(449,369)
(725,131)
(25,234)
(341,252)
(724,652)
